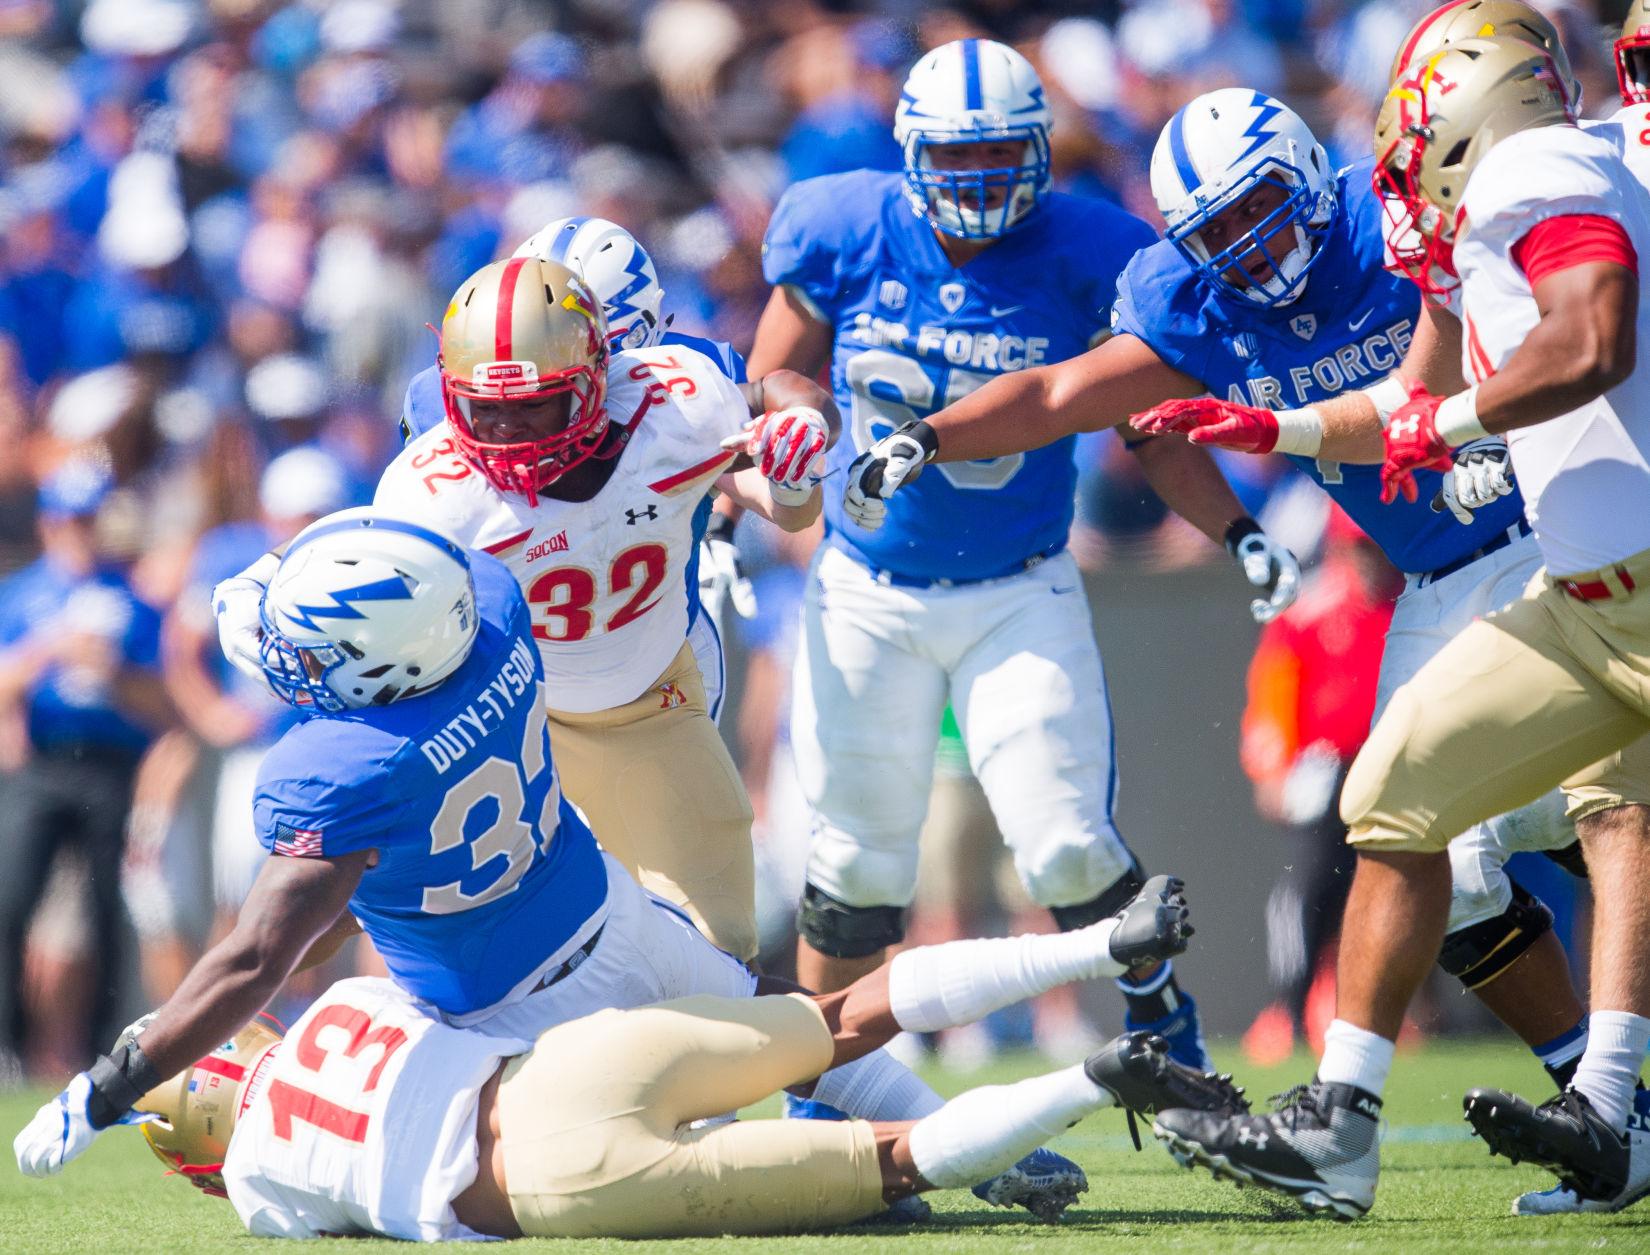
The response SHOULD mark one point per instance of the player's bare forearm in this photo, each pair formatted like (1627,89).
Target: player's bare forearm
(329,942)
(785,389)
(1031,408)
(750,489)
(1585,344)
(1190,484)
(292,903)
(1351,426)
(790,336)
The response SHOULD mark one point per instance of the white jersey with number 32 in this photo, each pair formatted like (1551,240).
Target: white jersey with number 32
(1585,475)
(605,579)
(363,1122)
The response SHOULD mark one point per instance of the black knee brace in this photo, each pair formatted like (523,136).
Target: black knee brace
(1477,954)
(1570,859)
(1110,901)
(847,932)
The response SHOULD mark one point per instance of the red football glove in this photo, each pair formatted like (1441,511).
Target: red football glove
(1412,444)
(1204,420)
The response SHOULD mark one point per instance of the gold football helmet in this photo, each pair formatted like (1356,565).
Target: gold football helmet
(195,1112)
(524,372)
(1481,19)
(1434,128)
(1633,54)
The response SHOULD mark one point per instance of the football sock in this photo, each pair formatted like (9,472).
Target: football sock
(1153,998)
(877,1087)
(1355,1056)
(1609,1068)
(935,987)
(985,1131)
(1560,1055)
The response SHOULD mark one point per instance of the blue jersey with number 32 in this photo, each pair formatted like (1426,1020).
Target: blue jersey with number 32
(484,871)
(1350,327)
(914,333)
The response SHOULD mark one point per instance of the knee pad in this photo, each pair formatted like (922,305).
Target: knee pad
(1570,859)
(1110,901)
(847,932)
(1477,954)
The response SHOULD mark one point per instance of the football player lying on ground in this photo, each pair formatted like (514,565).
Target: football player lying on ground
(379,1118)
(421,804)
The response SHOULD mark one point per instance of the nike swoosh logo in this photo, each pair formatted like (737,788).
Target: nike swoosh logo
(1353,326)
(1072,589)
(1005,311)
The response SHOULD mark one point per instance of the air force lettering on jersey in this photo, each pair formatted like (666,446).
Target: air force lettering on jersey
(913,334)
(1350,326)
(484,871)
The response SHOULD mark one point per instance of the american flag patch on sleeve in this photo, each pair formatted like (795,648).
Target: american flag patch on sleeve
(297,842)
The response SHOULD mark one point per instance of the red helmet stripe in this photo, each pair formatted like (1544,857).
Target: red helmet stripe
(222,1067)
(503,341)
(1426,25)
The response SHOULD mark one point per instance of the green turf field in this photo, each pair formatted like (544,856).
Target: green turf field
(1440,1191)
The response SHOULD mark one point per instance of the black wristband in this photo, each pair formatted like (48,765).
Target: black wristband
(1237,530)
(119,1079)
(924,435)
(721,527)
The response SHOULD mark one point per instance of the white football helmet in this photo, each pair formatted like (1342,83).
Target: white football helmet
(972,91)
(618,270)
(364,610)
(1212,154)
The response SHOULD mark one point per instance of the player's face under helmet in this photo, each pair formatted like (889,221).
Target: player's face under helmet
(618,269)
(974,126)
(1481,19)
(1435,126)
(1247,193)
(1633,54)
(524,372)
(364,610)
(193,1115)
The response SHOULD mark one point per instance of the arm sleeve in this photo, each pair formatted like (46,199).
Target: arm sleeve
(797,251)
(1571,240)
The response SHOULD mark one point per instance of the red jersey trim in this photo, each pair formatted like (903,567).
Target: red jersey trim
(693,472)
(509,542)
(1571,240)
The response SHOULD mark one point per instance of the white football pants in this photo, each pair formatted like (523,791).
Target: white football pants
(1016,658)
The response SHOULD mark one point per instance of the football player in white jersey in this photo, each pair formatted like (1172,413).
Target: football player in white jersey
(373,1116)
(582,473)
(1488,179)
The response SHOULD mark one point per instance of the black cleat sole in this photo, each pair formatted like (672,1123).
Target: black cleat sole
(1313,1196)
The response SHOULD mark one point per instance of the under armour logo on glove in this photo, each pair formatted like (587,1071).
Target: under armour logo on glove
(1412,444)
(632,517)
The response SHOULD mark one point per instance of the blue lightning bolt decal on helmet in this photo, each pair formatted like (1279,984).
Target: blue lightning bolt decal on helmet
(1211,157)
(973,91)
(366,609)
(615,266)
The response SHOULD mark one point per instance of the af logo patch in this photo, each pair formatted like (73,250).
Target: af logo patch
(1304,325)
(892,294)
(951,296)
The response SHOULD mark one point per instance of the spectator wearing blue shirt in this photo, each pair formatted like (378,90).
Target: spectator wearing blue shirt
(77,674)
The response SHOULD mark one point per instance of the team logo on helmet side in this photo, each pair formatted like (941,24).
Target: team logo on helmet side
(1482,19)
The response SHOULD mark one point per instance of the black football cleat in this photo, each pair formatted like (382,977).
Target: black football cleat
(1137,1070)
(1155,924)
(1564,1135)
(1320,1145)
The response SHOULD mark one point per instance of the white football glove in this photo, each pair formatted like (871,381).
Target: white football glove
(720,575)
(878,473)
(60,1131)
(236,604)
(1269,567)
(1482,473)
(788,447)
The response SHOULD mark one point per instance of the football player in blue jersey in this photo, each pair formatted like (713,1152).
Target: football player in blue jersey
(1270,292)
(624,279)
(420,804)
(919,288)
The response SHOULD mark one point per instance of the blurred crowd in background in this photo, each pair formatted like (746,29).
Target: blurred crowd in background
(225,226)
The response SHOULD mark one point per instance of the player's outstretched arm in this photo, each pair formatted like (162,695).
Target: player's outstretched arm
(790,336)
(293,902)
(1031,408)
